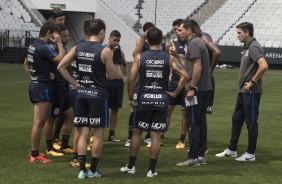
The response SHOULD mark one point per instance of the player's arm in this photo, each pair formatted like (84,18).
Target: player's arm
(173,51)
(63,68)
(107,59)
(132,79)
(178,68)
(26,68)
(139,46)
(196,73)
(57,40)
(125,68)
(214,49)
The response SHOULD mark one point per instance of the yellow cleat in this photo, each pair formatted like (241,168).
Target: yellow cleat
(56,146)
(161,144)
(67,151)
(54,153)
(180,145)
(75,163)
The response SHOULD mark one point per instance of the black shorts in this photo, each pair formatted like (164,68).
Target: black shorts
(178,100)
(115,97)
(72,97)
(151,120)
(40,93)
(60,101)
(91,112)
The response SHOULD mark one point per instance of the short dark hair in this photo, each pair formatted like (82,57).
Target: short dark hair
(95,26)
(147,26)
(86,27)
(194,23)
(154,36)
(246,26)
(188,24)
(62,27)
(56,12)
(177,22)
(115,33)
(48,26)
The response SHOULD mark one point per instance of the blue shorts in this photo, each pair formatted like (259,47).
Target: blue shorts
(151,120)
(115,97)
(40,93)
(60,101)
(91,112)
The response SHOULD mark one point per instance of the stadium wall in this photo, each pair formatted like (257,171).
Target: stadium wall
(128,36)
(231,54)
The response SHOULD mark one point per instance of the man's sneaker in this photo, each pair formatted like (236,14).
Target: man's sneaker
(54,153)
(128,170)
(75,163)
(96,174)
(246,157)
(127,144)
(189,162)
(82,175)
(180,145)
(227,153)
(147,141)
(150,174)
(202,160)
(113,139)
(68,150)
(39,159)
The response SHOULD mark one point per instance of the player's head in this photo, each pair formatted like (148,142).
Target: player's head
(114,38)
(147,26)
(57,16)
(245,30)
(47,29)
(185,30)
(97,27)
(196,26)
(176,23)
(64,33)
(154,36)
(86,27)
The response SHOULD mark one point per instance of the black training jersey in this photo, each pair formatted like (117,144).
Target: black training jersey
(180,48)
(153,78)
(40,56)
(91,70)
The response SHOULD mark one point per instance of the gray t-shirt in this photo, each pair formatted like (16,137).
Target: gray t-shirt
(197,50)
(249,66)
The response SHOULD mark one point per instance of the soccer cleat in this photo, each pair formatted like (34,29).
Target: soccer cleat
(96,174)
(113,139)
(180,145)
(227,153)
(246,157)
(54,153)
(89,147)
(39,159)
(161,144)
(68,150)
(147,141)
(128,170)
(75,163)
(189,162)
(127,144)
(57,143)
(202,160)
(82,175)
(91,139)
(151,175)
(29,155)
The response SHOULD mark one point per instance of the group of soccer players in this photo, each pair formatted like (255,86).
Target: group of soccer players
(83,83)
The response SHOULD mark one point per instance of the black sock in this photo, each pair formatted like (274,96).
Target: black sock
(65,141)
(162,136)
(49,144)
(147,135)
(130,125)
(112,133)
(94,163)
(152,165)
(34,153)
(74,155)
(182,137)
(131,162)
(82,159)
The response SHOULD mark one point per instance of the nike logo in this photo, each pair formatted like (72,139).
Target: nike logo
(249,158)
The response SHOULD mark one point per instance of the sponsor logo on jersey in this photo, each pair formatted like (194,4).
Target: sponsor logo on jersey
(86,54)
(30,58)
(87,80)
(154,74)
(154,85)
(156,96)
(31,49)
(85,68)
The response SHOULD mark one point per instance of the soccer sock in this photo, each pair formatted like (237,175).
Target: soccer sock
(74,155)
(147,135)
(182,137)
(49,144)
(94,163)
(82,159)
(65,141)
(112,133)
(131,162)
(162,137)
(34,153)
(152,165)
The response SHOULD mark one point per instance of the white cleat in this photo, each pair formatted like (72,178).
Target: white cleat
(128,170)
(227,153)
(151,175)
(246,157)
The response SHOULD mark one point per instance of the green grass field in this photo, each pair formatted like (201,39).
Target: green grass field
(17,118)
